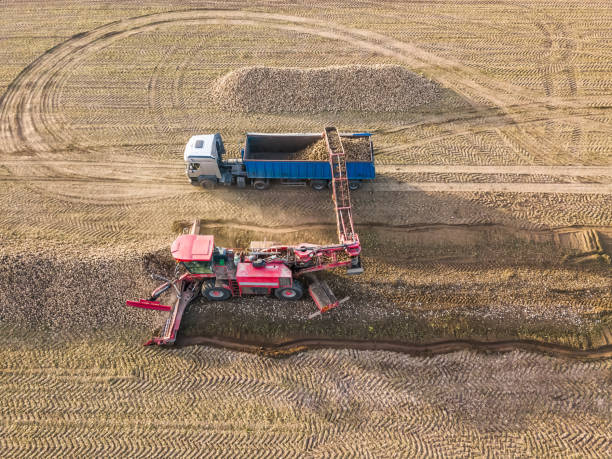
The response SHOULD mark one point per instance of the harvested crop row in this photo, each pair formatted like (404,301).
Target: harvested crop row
(376,88)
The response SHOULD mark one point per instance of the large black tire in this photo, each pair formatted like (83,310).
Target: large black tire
(261,185)
(209,184)
(295,292)
(216,293)
(354,185)
(318,185)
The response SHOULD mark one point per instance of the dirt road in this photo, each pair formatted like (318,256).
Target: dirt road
(169,174)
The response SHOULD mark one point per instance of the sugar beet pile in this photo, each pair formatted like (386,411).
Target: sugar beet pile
(78,291)
(356,149)
(371,88)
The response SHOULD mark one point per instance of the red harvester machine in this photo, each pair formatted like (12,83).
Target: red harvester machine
(265,268)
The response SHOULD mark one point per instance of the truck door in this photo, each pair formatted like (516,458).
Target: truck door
(209,167)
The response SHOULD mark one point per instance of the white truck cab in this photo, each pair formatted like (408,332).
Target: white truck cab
(202,156)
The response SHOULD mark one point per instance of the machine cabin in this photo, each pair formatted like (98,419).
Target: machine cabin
(232,275)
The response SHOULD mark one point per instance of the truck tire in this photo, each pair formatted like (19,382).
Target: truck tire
(209,184)
(292,293)
(261,184)
(318,185)
(354,185)
(216,293)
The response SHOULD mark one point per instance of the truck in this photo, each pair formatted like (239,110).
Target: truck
(269,157)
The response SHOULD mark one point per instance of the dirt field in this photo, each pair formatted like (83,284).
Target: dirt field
(99,398)
(491,218)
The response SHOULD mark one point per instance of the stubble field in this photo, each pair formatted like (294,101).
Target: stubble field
(491,215)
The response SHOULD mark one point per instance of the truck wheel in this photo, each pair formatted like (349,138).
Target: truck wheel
(354,185)
(209,184)
(216,293)
(318,184)
(294,292)
(260,184)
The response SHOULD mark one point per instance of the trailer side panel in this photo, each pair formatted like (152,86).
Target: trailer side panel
(305,170)
(264,159)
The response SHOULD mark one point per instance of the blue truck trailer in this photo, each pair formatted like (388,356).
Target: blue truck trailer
(266,158)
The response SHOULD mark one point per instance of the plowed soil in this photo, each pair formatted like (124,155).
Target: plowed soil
(97,397)
(490,219)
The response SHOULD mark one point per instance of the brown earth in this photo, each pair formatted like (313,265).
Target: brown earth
(101,397)
(542,285)
(103,190)
(490,219)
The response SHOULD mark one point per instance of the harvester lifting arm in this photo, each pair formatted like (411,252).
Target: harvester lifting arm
(185,292)
(168,283)
(319,291)
(348,239)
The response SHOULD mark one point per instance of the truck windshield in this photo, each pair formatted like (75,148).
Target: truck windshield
(198,267)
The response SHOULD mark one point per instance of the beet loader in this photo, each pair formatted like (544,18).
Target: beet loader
(265,268)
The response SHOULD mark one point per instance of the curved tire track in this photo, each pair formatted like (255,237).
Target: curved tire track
(31,130)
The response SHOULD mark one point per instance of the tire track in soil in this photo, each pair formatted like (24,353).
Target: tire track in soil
(159,174)
(287,348)
(571,188)
(556,33)
(154,168)
(113,219)
(27,91)
(106,217)
(520,187)
(38,78)
(324,402)
(104,36)
(480,123)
